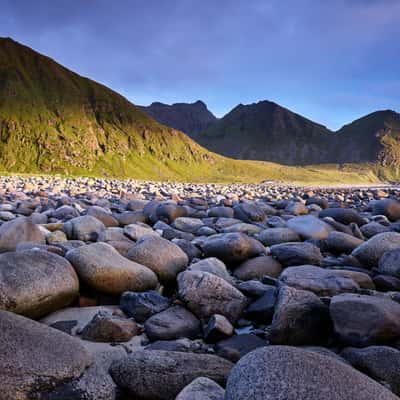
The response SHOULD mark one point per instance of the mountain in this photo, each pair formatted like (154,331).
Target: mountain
(373,138)
(191,118)
(52,119)
(267,131)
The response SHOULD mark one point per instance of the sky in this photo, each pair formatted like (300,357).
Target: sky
(329,60)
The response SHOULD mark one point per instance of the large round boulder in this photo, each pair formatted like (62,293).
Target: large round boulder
(202,389)
(310,227)
(101,267)
(389,263)
(290,373)
(232,248)
(343,215)
(161,375)
(213,266)
(388,207)
(19,230)
(257,267)
(35,283)
(173,323)
(340,242)
(300,318)
(370,252)
(206,294)
(141,306)
(381,363)
(297,253)
(249,212)
(85,228)
(271,236)
(361,320)
(321,281)
(35,358)
(163,257)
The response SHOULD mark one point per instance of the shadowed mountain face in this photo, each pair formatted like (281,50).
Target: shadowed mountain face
(373,138)
(189,118)
(268,132)
(52,119)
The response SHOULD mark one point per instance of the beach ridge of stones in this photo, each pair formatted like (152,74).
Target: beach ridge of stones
(113,290)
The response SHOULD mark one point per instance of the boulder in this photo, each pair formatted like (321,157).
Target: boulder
(271,236)
(19,230)
(300,318)
(257,267)
(95,383)
(389,263)
(169,212)
(381,363)
(217,328)
(297,254)
(290,373)
(188,248)
(361,320)
(238,346)
(249,212)
(35,358)
(387,207)
(343,215)
(340,242)
(206,294)
(141,306)
(296,208)
(137,231)
(85,228)
(109,328)
(202,389)
(101,267)
(173,323)
(309,227)
(102,215)
(370,252)
(373,228)
(232,248)
(163,257)
(161,375)
(321,281)
(262,310)
(35,283)
(186,224)
(213,266)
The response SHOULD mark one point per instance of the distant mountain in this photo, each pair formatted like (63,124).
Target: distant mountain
(373,138)
(267,131)
(190,118)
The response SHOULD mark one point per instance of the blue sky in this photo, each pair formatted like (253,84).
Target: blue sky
(330,60)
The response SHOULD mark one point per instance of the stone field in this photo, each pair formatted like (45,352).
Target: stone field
(160,291)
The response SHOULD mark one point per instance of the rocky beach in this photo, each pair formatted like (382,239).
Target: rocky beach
(159,291)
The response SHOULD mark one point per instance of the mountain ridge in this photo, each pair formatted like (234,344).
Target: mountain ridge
(190,118)
(266,131)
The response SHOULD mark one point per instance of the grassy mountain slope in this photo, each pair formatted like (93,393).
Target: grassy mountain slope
(55,121)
